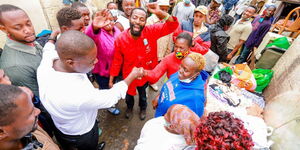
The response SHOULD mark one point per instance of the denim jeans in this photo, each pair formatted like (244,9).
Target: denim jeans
(243,56)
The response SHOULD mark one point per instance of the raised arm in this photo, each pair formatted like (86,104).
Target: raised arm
(162,29)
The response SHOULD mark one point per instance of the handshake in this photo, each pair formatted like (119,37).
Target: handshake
(138,73)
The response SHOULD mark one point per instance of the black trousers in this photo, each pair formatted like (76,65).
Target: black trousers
(87,141)
(142,98)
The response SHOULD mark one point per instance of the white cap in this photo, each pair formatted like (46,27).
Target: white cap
(163,3)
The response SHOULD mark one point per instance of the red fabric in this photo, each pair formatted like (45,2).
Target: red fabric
(131,52)
(170,65)
(200,46)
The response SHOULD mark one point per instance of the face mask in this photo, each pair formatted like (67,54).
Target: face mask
(189,80)
(114,12)
(187,1)
(181,55)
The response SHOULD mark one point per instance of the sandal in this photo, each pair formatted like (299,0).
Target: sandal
(114,110)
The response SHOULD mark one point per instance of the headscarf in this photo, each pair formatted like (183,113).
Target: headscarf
(263,16)
(182,121)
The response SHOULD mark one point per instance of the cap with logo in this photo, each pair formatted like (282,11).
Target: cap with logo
(202,9)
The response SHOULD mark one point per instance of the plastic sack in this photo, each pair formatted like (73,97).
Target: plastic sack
(263,78)
(226,69)
(211,60)
(243,77)
(281,42)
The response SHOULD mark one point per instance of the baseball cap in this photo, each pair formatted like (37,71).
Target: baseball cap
(163,3)
(201,9)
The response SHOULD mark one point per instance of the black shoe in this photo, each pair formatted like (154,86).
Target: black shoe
(143,114)
(101,146)
(128,113)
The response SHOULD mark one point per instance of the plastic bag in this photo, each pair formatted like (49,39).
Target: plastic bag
(211,60)
(281,42)
(263,78)
(243,77)
(226,69)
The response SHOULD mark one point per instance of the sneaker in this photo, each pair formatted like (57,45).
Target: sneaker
(143,114)
(154,87)
(114,110)
(101,146)
(128,113)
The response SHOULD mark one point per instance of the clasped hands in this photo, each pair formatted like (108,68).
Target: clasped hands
(139,73)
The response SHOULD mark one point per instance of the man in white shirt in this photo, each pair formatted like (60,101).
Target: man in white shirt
(184,10)
(67,93)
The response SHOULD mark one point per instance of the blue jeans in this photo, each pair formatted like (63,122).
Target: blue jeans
(243,56)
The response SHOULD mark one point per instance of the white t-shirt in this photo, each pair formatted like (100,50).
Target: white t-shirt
(123,21)
(70,98)
(182,12)
(154,136)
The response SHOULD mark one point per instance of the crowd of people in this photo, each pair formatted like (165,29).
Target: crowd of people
(46,92)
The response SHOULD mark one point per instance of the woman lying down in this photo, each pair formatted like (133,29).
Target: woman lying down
(181,129)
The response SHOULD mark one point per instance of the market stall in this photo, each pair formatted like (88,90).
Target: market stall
(231,88)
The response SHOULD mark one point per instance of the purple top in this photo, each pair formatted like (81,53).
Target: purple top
(105,49)
(258,32)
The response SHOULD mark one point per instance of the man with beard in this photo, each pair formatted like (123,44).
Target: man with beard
(21,54)
(18,122)
(123,20)
(137,47)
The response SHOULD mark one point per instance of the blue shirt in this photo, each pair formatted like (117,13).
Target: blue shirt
(228,4)
(189,94)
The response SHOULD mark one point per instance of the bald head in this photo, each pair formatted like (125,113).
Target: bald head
(73,44)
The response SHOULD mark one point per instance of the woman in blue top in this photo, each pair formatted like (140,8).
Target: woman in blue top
(185,87)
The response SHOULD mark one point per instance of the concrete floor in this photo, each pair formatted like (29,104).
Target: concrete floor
(120,133)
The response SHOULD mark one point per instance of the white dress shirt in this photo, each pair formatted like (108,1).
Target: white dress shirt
(70,98)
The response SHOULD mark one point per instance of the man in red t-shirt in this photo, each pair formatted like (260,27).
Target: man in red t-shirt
(137,47)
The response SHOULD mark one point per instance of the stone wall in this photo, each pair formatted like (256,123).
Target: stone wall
(286,72)
(283,100)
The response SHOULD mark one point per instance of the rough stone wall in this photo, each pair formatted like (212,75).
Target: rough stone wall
(286,72)
(282,96)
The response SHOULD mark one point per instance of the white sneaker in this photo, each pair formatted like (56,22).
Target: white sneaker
(154,87)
